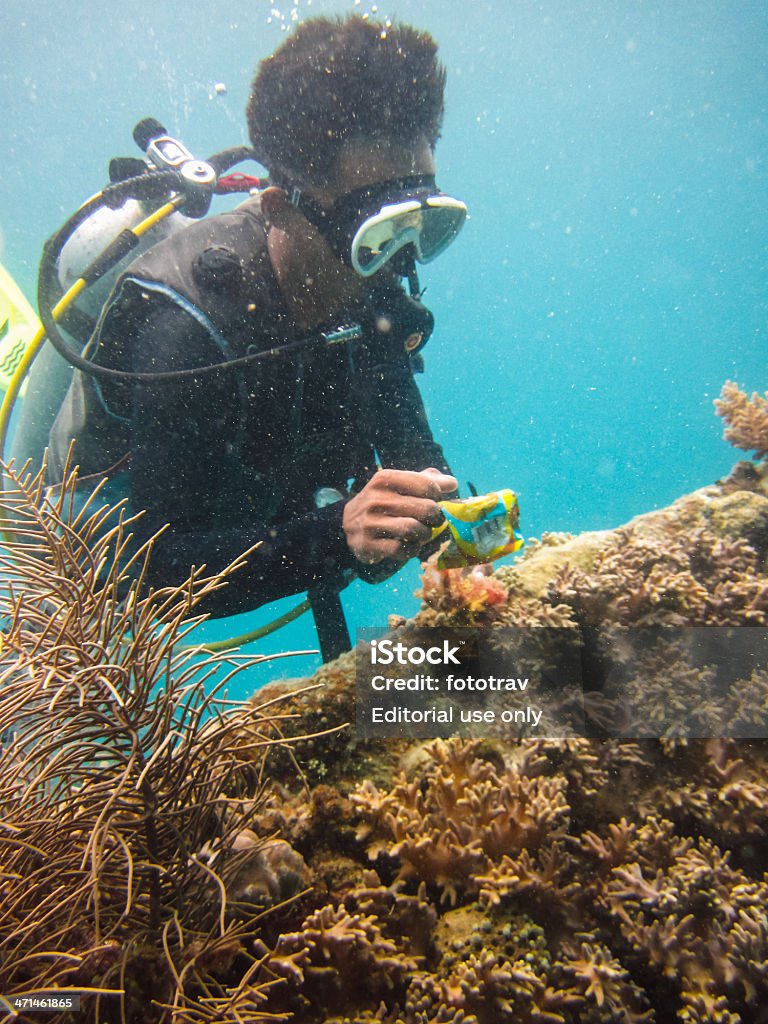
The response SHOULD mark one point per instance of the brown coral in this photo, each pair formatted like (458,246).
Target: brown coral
(460,817)
(699,921)
(695,578)
(337,960)
(746,418)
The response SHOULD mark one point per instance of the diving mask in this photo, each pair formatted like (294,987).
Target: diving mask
(369,226)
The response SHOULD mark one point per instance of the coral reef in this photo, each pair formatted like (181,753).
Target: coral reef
(574,880)
(269,863)
(460,817)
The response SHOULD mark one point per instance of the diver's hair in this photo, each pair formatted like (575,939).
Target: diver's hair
(337,79)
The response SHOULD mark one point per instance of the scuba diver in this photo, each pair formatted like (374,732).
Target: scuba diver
(255,380)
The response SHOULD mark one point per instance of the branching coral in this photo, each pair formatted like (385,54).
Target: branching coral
(695,578)
(607,986)
(717,788)
(338,959)
(449,827)
(746,419)
(497,969)
(402,916)
(700,922)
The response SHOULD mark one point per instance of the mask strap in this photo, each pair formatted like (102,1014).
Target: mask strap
(320,218)
(313,211)
(323,218)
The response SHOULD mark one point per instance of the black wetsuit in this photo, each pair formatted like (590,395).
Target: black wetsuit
(237,457)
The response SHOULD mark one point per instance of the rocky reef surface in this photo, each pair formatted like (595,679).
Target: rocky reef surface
(337,880)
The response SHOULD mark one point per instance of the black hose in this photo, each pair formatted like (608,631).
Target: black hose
(96,370)
(227,158)
(156,184)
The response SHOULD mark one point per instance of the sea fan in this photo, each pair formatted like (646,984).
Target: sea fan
(119,767)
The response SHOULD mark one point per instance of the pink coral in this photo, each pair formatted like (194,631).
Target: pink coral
(470,594)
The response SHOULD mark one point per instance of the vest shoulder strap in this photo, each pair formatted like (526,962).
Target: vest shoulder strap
(221,266)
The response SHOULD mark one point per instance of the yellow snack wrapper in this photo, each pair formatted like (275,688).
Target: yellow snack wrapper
(481,529)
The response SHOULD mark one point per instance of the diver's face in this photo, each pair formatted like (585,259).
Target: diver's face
(372,172)
(313,277)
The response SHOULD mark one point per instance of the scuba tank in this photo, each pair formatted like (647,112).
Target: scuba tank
(51,374)
(96,244)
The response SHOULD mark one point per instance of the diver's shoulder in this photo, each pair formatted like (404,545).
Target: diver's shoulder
(248,212)
(240,232)
(244,220)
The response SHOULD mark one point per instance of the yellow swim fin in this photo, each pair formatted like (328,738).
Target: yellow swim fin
(18,326)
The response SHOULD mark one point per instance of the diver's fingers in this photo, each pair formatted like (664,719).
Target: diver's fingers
(429,483)
(398,506)
(410,533)
(392,515)
(448,484)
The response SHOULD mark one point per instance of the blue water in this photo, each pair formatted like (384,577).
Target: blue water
(613,272)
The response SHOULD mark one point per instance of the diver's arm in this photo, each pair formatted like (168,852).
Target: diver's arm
(399,427)
(400,432)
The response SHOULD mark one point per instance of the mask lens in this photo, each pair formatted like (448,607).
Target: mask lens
(430,225)
(379,237)
(443,218)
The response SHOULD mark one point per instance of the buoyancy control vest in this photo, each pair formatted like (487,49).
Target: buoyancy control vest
(217,271)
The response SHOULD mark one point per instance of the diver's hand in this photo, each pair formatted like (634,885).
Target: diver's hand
(394,513)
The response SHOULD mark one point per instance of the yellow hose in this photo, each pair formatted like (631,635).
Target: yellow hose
(30,354)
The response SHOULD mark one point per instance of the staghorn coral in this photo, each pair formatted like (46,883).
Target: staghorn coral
(696,578)
(720,790)
(746,419)
(496,969)
(337,960)
(700,922)
(460,817)
(542,878)
(607,987)
(436,1015)
(402,916)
